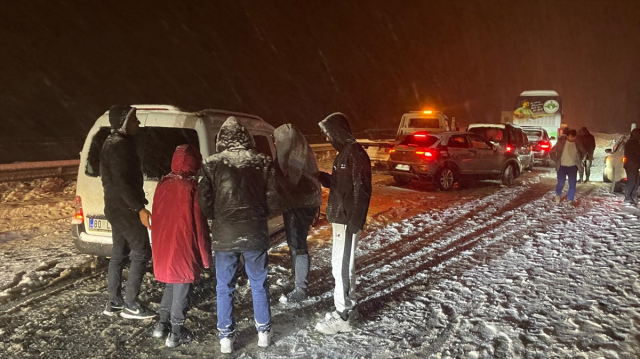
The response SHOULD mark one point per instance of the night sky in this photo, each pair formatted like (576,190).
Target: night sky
(64,63)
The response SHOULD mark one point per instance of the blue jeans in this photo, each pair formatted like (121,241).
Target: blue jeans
(563,173)
(255,264)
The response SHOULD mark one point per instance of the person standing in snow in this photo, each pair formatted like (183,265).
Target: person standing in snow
(124,208)
(589,143)
(180,241)
(631,166)
(349,196)
(237,191)
(301,194)
(567,154)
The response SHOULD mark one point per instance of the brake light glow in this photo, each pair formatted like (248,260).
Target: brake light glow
(420,135)
(428,153)
(545,146)
(393,150)
(427,112)
(624,159)
(79,212)
(509,149)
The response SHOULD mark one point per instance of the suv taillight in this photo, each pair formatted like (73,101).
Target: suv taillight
(428,153)
(545,145)
(509,149)
(79,212)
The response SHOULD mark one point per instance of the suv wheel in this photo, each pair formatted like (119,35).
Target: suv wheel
(445,178)
(508,176)
(401,180)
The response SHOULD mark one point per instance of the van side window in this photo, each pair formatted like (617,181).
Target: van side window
(93,160)
(458,142)
(262,145)
(156,146)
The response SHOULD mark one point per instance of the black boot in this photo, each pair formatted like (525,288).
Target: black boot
(179,335)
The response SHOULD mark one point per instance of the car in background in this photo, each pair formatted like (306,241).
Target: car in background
(614,171)
(509,138)
(540,142)
(450,157)
(162,129)
(422,121)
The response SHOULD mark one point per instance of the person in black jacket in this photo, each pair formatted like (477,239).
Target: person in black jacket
(237,191)
(349,196)
(124,207)
(631,166)
(301,194)
(589,143)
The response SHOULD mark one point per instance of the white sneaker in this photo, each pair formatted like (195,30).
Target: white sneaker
(264,339)
(557,199)
(333,325)
(226,345)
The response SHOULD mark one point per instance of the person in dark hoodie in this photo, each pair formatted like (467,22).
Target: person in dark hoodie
(180,241)
(301,194)
(237,191)
(589,143)
(631,166)
(125,202)
(349,196)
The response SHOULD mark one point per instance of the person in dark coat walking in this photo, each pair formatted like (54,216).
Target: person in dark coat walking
(631,166)
(125,202)
(349,197)
(301,194)
(589,143)
(180,241)
(237,191)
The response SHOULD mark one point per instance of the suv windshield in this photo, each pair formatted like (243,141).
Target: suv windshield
(493,134)
(420,141)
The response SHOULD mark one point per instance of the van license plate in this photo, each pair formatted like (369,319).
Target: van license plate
(402,167)
(99,225)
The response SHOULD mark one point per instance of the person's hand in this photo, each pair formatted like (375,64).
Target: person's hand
(145,217)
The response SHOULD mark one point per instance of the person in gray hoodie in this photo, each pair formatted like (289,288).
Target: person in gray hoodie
(301,195)
(568,155)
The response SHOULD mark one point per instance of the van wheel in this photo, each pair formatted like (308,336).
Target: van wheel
(509,176)
(446,177)
(401,180)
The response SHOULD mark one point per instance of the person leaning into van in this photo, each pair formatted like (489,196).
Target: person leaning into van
(124,207)
(567,154)
(631,166)
(589,143)
(237,191)
(301,194)
(180,241)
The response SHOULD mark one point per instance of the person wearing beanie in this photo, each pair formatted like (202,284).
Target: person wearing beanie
(124,208)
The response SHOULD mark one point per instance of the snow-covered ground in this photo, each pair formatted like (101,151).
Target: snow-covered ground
(480,272)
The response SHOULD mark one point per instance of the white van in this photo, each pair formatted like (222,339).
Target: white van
(422,121)
(162,129)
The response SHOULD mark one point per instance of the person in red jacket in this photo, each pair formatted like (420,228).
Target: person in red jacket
(180,243)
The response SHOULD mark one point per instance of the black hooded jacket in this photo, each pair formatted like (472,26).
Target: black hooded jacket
(632,151)
(121,172)
(237,191)
(588,141)
(350,180)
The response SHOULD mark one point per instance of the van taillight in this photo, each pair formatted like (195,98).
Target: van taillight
(79,212)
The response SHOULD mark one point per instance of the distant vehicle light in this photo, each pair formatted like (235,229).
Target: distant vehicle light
(427,112)
(545,146)
(509,149)
(393,150)
(79,212)
(624,159)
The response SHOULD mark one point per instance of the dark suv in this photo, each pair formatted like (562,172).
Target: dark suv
(446,158)
(541,143)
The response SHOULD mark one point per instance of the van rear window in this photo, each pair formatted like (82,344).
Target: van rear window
(424,122)
(155,146)
(492,134)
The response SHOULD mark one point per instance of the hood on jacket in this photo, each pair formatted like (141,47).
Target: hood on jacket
(186,160)
(294,154)
(336,128)
(635,134)
(233,135)
(583,131)
(119,116)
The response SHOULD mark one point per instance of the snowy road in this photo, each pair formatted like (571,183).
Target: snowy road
(481,272)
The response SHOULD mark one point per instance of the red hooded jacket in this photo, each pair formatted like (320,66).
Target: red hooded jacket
(180,239)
